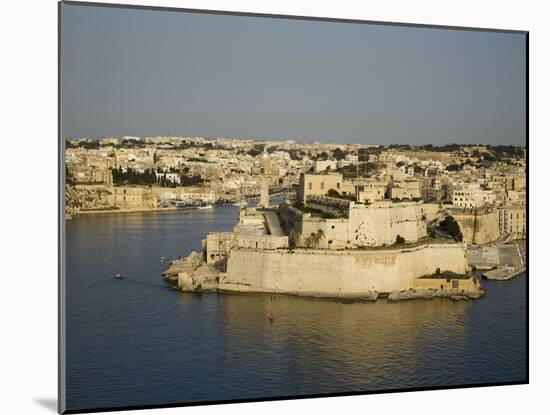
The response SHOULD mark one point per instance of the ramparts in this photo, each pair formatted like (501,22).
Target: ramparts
(333,273)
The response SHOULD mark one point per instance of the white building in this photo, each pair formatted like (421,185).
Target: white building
(324,165)
(171,177)
(472,196)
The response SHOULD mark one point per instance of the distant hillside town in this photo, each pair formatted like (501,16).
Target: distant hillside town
(482,184)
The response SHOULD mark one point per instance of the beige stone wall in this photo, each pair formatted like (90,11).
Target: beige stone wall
(445,284)
(335,231)
(433,211)
(219,244)
(478,226)
(405,189)
(380,223)
(377,224)
(327,272)
(89,197)
(128,197)
(372,192)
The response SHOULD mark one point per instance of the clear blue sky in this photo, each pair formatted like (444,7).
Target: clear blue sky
(148,72)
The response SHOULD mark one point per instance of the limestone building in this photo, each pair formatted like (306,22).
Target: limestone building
(253,232)
(127,197)
(472,196)
(265,168)
(512,221)
(405,189)
(82,174)
(318,184)
(372,190)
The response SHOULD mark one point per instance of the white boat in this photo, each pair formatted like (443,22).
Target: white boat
(205,207)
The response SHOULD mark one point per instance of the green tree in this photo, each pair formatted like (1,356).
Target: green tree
(338,153)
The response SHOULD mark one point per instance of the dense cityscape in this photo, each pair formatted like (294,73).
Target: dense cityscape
(467,201)
(155,172)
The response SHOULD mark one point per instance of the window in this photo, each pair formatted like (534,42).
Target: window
(338,185)
(309,186)
(322,186)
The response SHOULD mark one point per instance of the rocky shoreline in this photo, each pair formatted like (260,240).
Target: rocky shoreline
(429,293)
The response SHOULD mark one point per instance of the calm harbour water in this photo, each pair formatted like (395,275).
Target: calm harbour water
(135,341)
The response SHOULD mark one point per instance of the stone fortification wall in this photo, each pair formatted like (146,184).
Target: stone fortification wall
(380,223)
(88,197)
(469,284)
(219,244)
(433,211)
(376,224)
(335,231)
(478,226)
(338,273)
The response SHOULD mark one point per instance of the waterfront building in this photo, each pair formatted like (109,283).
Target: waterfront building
(197,194)
(256,229)
(512,221)
(128,197)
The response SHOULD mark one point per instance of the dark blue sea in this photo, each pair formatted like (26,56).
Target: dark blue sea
(135,341)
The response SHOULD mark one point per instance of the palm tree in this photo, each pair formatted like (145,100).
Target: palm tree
(314,240)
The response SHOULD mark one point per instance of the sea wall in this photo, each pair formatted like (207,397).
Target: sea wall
(334,273)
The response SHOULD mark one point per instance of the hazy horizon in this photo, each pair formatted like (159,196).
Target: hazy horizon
(156,73)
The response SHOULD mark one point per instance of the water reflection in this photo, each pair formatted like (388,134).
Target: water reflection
(359,346)
(135,341)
